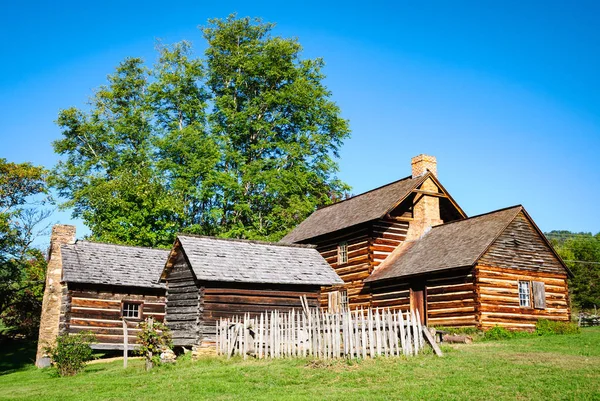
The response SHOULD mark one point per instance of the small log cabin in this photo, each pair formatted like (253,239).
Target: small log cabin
(208,278)
(408,245)
(93,286)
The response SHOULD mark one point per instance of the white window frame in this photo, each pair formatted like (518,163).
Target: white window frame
(342,253)
(128,308)
(343,300)
(524,294)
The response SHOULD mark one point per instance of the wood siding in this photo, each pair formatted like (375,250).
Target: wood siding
(98,309)
(184,304)
(521,247)
(235,299)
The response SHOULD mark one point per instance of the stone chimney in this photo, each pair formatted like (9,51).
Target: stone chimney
(426,208)
(422,163)
(53,292)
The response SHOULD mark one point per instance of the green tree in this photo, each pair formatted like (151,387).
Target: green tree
(581,252)
(277,126)
(23,194)
(240,144)
(110,176)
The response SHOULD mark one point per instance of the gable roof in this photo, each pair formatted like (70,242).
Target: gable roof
(231,260)
(100,263)
(451,245)
(359,209)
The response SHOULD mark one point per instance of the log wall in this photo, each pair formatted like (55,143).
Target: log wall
(386,235)
(450,298)
(354,272)
(99,309)
(498,297)
(520,254)
(184,304)
(226,300)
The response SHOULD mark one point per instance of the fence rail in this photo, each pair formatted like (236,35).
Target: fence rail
(313,332)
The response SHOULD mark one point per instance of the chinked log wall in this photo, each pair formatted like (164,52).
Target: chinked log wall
(356,270)
(520,254)
(98,309)
(226,300)
(368,246)
(498,295)
(450,298)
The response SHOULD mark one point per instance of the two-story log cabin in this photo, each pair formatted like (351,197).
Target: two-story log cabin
(408,245)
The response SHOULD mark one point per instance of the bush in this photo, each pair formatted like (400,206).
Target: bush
(152,339)
(498,333)
(544,327)
(71,352)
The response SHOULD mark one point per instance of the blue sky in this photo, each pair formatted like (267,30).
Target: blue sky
(505,94)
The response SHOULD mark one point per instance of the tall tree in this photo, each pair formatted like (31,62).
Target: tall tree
(23,194)
(241,144)
(109,176)
(278,128)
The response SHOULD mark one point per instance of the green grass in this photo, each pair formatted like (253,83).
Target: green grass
(544,368)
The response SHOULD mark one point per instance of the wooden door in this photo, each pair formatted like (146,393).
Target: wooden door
(418,300)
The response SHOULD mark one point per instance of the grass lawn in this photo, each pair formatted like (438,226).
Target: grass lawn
(544,368)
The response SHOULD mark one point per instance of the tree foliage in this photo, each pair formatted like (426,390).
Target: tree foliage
(581,252)
(241,143)
(22,267)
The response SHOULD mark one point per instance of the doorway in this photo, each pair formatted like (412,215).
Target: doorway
(418,300)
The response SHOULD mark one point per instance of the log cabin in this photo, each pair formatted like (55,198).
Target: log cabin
(92,286)
(208,278)
(409,245)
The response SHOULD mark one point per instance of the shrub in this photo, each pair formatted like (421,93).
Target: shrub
(152,339)
(71,352)
(498,333)
(544,327)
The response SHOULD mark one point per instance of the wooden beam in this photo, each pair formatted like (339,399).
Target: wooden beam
(431,341)
(398,218)
(429,193)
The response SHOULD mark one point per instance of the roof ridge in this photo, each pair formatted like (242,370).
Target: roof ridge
(476,216)
(369,191)
(120,245)
(248,241)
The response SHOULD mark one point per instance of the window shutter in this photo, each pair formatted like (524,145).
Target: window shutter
(539,295)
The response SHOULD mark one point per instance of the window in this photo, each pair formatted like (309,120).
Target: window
(131,310)
(343,300)
(524,294)
(337,301)
(342,253)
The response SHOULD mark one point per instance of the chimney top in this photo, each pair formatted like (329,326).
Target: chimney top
(423,163)
(63,234)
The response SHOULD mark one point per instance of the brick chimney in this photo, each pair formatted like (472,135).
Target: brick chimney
(422,163)
(53,292)
(426,208)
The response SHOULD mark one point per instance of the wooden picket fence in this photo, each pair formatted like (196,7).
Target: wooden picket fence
(317,333)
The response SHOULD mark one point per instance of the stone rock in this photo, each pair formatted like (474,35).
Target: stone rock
(167,356)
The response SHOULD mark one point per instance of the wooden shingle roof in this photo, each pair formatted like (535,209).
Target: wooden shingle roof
(359,209)
(109,264)
(231,260)
(452,245)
